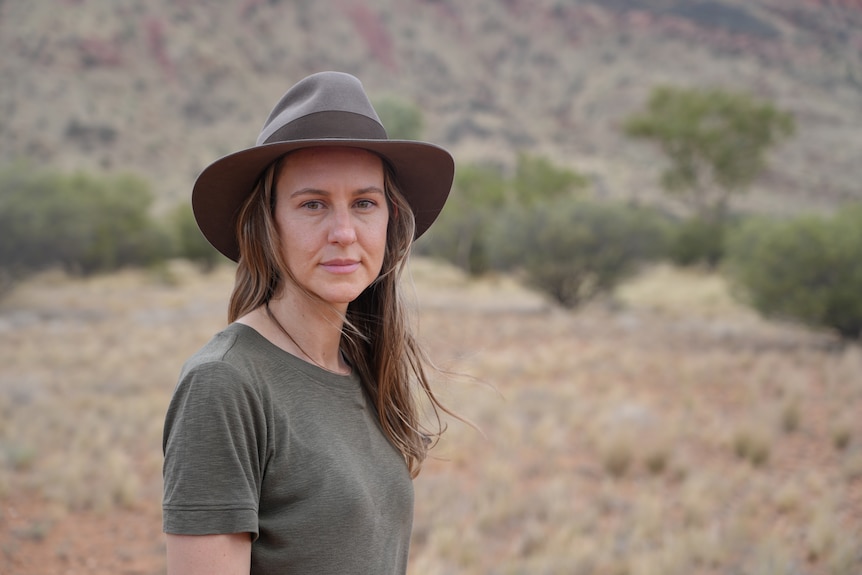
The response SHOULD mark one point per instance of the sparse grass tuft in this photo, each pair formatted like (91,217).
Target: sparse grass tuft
(841,436)
(617,456)
(656,461)
(845,556)
(790,416)
(18,457)
(753,445)
(852,467)
(35,531)
(788,498)
(821,536)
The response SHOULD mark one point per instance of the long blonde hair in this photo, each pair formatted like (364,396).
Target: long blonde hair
(377,337)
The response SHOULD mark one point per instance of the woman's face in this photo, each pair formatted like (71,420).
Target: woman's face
(332,215)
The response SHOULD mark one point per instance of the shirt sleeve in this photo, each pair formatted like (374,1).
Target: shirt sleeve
(214,445)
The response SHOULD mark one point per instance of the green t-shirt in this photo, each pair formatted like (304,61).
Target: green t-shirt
(257,440)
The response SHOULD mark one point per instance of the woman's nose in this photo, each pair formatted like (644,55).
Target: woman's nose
(342,230)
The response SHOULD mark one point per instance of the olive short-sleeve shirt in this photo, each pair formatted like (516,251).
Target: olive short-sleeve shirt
(257,440)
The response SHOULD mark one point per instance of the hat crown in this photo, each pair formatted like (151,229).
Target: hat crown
(321,106)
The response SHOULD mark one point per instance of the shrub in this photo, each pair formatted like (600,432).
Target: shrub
(402,118)
(479,196)
(806,269)
(574,250)
(460,234)
(189,242)
(80,222)
(695,241)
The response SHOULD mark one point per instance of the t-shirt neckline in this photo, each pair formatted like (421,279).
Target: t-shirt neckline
(311,370)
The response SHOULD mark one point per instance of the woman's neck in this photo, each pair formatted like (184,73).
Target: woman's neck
(303,327)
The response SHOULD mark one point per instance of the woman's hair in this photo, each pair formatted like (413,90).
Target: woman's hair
(377,337)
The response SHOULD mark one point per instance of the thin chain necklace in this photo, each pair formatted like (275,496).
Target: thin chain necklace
(290,337)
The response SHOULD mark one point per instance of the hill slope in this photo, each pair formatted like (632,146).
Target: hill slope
(163,87)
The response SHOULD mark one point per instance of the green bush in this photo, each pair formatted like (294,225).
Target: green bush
(697,241)
(80,222)
(479,196)
(459,236)
(189,242)
(806,269)
(574,250)
(401,118)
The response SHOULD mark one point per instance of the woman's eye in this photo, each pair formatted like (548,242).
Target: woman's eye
(365,204)
(313,205)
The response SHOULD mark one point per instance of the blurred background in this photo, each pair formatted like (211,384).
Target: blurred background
(648,278)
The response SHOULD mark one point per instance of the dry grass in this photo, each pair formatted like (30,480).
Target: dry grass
(621,439)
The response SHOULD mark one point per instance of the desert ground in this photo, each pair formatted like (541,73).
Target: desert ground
(664,430)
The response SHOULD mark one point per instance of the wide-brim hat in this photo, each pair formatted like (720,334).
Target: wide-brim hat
(324,109)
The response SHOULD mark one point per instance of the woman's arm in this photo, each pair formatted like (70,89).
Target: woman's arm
(209,554)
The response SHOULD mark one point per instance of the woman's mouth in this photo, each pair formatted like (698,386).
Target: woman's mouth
(340,266)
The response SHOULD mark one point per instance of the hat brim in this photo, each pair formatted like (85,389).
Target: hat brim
(424,173)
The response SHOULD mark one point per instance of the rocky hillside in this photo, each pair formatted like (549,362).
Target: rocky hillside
(162,87)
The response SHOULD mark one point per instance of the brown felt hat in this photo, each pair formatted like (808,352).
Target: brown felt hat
(324,109)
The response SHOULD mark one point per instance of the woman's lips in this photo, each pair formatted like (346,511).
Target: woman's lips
(340,266)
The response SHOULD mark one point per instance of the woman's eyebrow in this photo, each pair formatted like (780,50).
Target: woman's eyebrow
(309,192)
(319,192)
(368,190)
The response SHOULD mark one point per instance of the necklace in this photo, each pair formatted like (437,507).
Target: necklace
(290,337)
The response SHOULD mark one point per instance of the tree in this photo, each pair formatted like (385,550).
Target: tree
(716,142)
(538,180)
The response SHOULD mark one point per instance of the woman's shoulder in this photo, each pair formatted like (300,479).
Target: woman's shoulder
(222,346)
(230,356)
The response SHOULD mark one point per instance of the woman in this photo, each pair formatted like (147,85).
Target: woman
(293,436)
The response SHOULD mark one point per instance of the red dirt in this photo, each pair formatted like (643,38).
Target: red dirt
(116,542)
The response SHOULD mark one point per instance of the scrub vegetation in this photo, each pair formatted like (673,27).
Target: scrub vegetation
(665,430)
(87,223)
